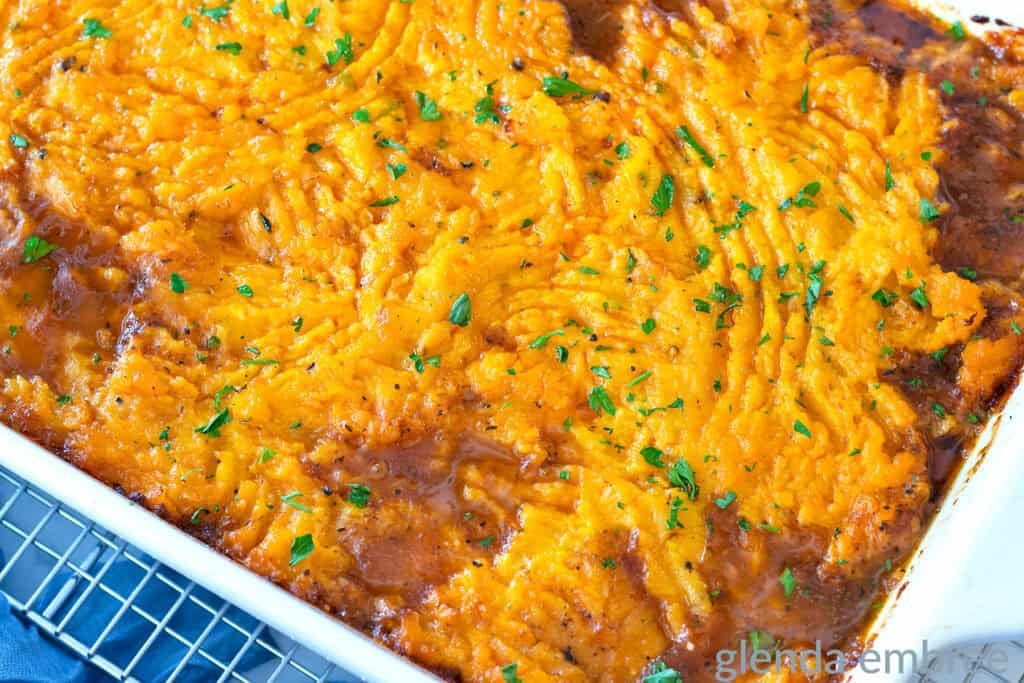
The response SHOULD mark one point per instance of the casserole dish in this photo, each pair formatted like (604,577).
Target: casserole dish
(825,464)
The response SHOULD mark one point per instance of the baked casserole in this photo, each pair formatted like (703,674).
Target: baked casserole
(536,339)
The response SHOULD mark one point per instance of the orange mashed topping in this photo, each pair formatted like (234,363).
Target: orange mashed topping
(468,336)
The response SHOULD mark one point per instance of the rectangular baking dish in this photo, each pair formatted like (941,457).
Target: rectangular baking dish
(962,584)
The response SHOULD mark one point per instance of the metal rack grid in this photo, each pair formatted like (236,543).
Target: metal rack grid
(126,613)
(138,620)
(989,663)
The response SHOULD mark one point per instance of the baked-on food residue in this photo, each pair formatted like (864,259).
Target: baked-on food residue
(535,339)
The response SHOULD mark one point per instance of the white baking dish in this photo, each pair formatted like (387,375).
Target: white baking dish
(963,585)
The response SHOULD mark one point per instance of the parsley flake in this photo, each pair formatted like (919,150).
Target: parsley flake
(302,547)
(36,248)
(94,29)
(461,311)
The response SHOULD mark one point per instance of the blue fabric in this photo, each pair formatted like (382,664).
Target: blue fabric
(27,656)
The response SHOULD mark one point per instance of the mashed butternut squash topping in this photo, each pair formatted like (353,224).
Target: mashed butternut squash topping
(521,357)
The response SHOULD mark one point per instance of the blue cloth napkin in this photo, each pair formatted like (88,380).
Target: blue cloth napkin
(29,656)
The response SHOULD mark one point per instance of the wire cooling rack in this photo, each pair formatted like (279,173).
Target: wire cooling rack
(126,613)
(138,620)
(989,663)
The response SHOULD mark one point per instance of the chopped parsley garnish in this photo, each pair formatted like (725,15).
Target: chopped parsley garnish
(622,150)
(630,261)
(18,141)
(803,197)
(759,640)
(311,17)
(361,115)
(788,582)
(178,284)
(662,198)
(919,297)
(314,147)
(542,341)
(221,393)
(461,311)
(508,673)
(396,171)
(803,99)
(342,50)
(947,87)
(846,213)
(265,222)
(814,288)
(640,378)
(245,290)
(215,13)
(703,256)
(599,400)
(652,456)
(673,514)
(684,133)
(418,361)
(94,29)
(928,211)
(233,48)
(800,428)
(484,109)
(266,455)
(601,371)
(428,107)
(280,9)
(290,500)
(662,674)
(885,297)
(889,182)
(359,495)
(681,476)
(956,31)
(555,86)
(386,142)
(36,248)
(302,547)
(587,270)
(648,325)
(726,500)
(386,201)
(213,425)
